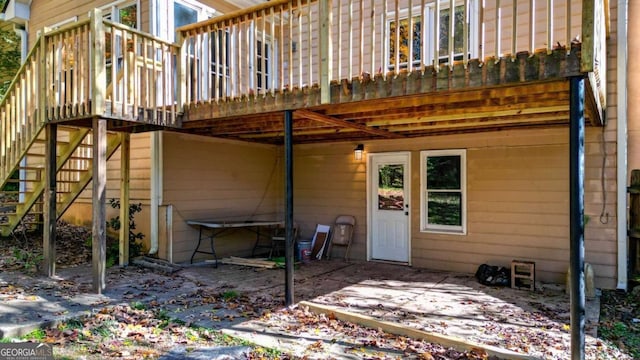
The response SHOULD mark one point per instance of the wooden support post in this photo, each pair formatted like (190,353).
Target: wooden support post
(50,215)
(576,216)
(125,151)
(288,206)
(326,60)
(99,234)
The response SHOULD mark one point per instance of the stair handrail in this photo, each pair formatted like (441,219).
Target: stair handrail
(20,116)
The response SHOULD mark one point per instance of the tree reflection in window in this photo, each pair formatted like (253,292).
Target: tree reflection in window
(458,41)
(414,37)
(406,36)
(444,190)
(391,187)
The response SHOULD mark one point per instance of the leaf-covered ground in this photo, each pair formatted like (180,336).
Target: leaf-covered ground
(620,320)
(157,313)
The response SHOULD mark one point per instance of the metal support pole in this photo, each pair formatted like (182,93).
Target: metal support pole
(576,200)
(288,206)
(50,214)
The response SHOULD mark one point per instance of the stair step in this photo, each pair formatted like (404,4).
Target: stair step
(23,180)
(30,212)
(73,170)
(60,142)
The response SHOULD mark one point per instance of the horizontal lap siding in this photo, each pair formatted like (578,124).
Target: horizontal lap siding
(48,12)
(205,178)
(518,200)
(524,229)
(328,182)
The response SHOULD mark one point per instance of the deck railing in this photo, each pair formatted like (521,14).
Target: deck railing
(286,44)
(98,67)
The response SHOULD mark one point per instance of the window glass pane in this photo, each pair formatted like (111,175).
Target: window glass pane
(183,15)
(444,208)
(391,187)
(443,172)
(405,37)
(445,15)
(129,16)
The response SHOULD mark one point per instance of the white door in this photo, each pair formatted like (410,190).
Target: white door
(388,206)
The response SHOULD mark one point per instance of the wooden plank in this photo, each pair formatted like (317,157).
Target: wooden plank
(397,329)
(249,262)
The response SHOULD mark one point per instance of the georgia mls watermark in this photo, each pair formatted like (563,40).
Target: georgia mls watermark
(25,351)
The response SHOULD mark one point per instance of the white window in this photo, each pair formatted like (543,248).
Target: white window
(185,12)
(123,12)
(264,62)
(443,191)
(423,49)
(220,62)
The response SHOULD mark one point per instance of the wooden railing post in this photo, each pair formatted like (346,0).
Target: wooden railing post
(181,67)
(326,60)
(593,58)
(98,87)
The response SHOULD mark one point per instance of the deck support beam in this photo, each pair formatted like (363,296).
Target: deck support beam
(125,151)
(49,211)
(99,189)
(288,207)
(576,201)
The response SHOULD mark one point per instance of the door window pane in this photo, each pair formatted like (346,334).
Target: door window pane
(391,187)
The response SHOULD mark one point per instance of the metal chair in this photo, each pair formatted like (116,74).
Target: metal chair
(278,239)
(342,234)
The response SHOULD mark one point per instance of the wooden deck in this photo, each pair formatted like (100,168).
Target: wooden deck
(526,91)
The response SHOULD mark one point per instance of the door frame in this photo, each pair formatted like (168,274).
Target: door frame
(369,204)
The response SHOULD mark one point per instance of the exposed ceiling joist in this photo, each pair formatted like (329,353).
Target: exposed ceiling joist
(334,121)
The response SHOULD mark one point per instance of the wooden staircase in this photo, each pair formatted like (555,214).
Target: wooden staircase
(21,195)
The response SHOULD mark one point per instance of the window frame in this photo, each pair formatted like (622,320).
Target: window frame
(424,191)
